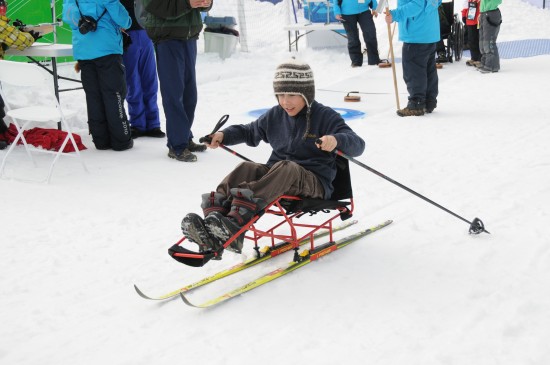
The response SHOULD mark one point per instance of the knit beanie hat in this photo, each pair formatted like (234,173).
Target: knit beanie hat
(295,77)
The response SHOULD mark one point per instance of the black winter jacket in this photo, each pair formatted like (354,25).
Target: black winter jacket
(284,134)
(172,19)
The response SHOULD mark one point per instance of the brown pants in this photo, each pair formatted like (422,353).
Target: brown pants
(283,178)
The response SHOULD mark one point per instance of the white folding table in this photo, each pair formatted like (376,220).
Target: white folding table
(308,28)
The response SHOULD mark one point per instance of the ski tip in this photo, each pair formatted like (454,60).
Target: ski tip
(186,301)
(141,294)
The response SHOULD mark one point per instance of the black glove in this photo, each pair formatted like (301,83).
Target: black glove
(464,19)
(34,34)
(19,24)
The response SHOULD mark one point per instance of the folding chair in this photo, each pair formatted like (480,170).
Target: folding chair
(26,75)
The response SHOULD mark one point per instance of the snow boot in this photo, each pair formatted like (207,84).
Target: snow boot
(193,227)
(414,108)
(214,202)
(243,208)
(431,104)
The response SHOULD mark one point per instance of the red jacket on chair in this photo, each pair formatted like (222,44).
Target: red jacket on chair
(48,139)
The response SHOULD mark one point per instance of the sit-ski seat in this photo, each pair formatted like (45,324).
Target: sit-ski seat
(288,209)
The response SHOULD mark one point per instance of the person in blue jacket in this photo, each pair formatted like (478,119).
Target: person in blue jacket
(97,46)
(351,13)
(298,165)
(141,80)
(419,31)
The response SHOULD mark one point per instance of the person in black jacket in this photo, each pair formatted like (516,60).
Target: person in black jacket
(298,165)
(174,27)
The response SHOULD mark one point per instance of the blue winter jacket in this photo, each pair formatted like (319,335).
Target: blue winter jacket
(284,133)
(107,39)
(350,7)
(418,20)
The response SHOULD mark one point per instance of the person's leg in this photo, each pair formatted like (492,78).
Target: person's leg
(473,41)
(190,96)
(149,81)
(432,87)
(246,171)
(113,91)
(3,126)
(135,97)
(285,177)
(490,23)
(251,197)
(97,120)
(171,74)
(369,35)
(415,75)
(354,44)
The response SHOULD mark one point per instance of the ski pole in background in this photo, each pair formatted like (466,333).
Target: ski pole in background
(476,226)
(383,4)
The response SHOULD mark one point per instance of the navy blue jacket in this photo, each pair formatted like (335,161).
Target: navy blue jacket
(284,134)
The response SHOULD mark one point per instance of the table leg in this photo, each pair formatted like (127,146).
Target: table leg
(55,84)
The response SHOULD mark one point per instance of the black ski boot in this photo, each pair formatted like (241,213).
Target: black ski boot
(194,229)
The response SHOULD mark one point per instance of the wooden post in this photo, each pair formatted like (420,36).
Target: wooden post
(390,36)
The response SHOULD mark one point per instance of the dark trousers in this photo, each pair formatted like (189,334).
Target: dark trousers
(284,177)
(420,74)
(176,61)
(3,126)
(105,87)
(489,27)
(369,36)
(473,42)
(141,79)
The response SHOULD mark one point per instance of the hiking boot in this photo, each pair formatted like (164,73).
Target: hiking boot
(185,156)
(354,65)
(430,106)
(155,133)
(194,229)
(223,228)
(195,147)
(3,145)
(136,133)
(215,202)
(408,112)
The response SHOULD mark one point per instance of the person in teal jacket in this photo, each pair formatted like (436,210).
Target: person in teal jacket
(98,50)
(489,26)
(419,31)
(351,13)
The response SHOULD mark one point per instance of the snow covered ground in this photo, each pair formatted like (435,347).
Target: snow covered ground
(421,291)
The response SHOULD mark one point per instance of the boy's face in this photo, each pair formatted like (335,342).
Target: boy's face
(292,104)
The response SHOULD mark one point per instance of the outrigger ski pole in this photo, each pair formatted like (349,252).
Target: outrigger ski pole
(476,226)
(220,124)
